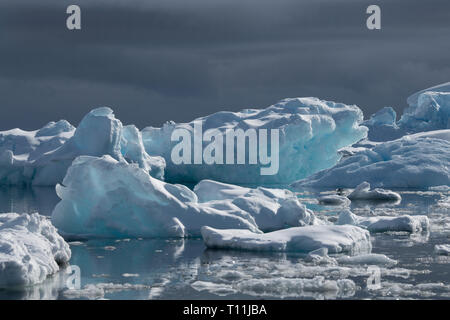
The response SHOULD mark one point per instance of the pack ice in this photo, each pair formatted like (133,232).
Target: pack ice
(30,249)
(335,239)
(413,161)
(42,157)
(310,133)
(103,197)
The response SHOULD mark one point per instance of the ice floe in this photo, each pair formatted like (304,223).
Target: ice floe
(30,249)
(363,192)
(405,223)
(335,239)
(272,209)
(310,133)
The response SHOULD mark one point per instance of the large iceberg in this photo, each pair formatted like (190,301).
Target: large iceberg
(103,197)
(415,161)
(30,249)
(310,133)
(42,157)
(428,110)
(335,239)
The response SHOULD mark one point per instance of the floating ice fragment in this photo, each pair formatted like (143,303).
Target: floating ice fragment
(404,223)
(299,239)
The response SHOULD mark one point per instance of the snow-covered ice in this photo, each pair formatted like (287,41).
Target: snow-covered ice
(310,133)
(30,249)
(336,239)
(42,157)
(409,162)
(363,192)
(406,223)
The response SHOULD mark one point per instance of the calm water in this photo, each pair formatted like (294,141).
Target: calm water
(185,269)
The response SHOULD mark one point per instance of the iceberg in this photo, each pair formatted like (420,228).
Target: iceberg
(404,223)
(104,197)
(413,100)
(335,239)
(428,110)
(363,192)
(431,112)
(310,133)
(42,157)
(272,209)
(410,162)
(19,148)
(30,249)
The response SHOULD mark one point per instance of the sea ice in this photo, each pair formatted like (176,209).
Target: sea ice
(335,239)
(42,157)
(310,133)
(363,192)
(409,162)
(103,197)
(30,249)
(272,209)
(376,224)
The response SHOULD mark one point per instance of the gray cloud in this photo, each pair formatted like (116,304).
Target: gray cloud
(153,61)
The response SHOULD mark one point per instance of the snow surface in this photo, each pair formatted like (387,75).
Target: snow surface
(363,192)
(405,223)
(30,249)
(335,239)
(311,132)
(409,162)
(42,157)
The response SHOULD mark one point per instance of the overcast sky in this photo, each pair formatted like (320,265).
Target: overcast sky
(158,60)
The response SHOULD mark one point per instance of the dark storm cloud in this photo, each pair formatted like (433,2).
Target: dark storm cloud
(153,61)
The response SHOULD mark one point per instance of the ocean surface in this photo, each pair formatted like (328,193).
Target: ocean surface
(185,269)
